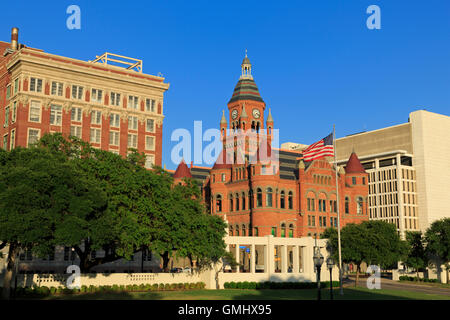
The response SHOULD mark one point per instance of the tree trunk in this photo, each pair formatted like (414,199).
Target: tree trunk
(10,271)
(417,273)
(357,274)
(165,257)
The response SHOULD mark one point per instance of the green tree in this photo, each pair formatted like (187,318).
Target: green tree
(37,188)
(416,257)
(372,242)
(437,239)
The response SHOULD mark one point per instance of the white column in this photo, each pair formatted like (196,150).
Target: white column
(296,262)
(237,257)
(252,258)
(266,258)
(284,259)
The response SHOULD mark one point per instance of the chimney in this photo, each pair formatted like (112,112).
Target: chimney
(14,38)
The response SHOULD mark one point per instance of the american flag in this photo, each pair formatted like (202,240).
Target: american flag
(319,149)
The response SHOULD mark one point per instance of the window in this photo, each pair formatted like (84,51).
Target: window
(132,141)
(35,85)
(96,117)
(132,123)
(282,200)
(95,135)
(114,120)
(243,201)
(283,230)
(115,99)
(133,102)
(322,205)
(33,136)
(274,231)
(268,197)
(219,203)
(243,230)
(75,131)
(35,111)
(359,205)
(149,161)
(16,85)
(114,138)
(57,88)
(76,114)
(14,112)
(8,92)
(6,117)
(150,105)
(290,200)
(97,95)
(347,205)
(223,177)
(5,142)
(237,202)
(55,115)
(353,180)
(149,143)
(150,125)
(230,230)
(333,206)
(311,204)
(256,233)
(77,92)
(258,198)
(231,203)
(291,231)
(13,139)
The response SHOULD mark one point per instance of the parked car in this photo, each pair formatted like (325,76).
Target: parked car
(186,270)
(176,270)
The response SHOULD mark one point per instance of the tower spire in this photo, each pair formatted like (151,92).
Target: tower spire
(246,67)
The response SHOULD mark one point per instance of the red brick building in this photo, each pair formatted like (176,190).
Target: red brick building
(114,107)
(260,191)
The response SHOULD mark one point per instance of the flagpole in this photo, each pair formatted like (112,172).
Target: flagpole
(338,212)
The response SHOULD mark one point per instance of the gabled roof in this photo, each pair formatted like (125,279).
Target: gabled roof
(182,171)
(354,165)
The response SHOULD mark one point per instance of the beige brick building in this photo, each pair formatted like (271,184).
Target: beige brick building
(409,169)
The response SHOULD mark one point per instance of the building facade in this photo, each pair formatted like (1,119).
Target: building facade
(262,191)
(114,108)
(408,169)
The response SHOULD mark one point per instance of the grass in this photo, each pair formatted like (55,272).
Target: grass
(240,294)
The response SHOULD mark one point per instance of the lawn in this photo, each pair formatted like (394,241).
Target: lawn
(240,294)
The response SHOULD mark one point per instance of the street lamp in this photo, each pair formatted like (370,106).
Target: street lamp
(318,261)
(330,264)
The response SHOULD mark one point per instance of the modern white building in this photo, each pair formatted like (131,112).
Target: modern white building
(409,169)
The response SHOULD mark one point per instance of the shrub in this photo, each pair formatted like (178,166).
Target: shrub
(155,287)
(161,286)
(53,290)
(167,286)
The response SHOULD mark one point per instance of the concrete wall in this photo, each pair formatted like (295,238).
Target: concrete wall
(430,136)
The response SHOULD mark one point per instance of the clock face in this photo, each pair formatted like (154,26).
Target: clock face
(256,113)
(234,114)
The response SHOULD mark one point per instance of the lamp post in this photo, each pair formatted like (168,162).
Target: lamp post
(318,261)
(330,264)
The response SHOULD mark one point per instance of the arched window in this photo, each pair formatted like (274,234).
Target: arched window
(359,205)
(230,230)
(231,202)
(282,200)
(243,201)
(243,230)
(258,197)
(219,203)
(237,230)
(347,205)
(283,230)
(291,230)
(291,200)
(269,197)
(237,202)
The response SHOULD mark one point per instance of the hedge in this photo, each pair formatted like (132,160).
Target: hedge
(277,285)
(407,278)
(44,291)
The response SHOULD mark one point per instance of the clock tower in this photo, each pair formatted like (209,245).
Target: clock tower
(246,107)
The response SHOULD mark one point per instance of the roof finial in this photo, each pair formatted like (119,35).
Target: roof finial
(245,52)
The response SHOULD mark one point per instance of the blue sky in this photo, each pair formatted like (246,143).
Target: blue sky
(315,62)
